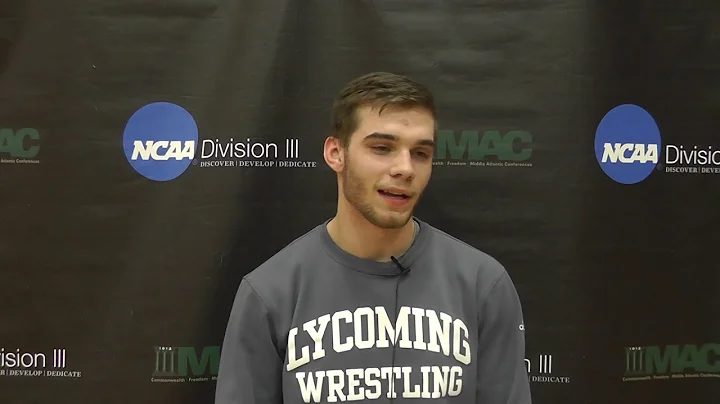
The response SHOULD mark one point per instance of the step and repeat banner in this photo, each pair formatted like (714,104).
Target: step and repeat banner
(154,152)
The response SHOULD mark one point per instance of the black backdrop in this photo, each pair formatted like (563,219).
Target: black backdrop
(105,272)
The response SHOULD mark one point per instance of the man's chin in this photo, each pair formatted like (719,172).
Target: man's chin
(392,219)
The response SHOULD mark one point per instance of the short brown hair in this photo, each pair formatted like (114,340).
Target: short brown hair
(378,89)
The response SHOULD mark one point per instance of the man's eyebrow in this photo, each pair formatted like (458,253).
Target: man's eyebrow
(427,142)
(383,136)
(387,136)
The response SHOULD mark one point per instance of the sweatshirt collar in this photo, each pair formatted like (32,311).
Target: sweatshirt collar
(373,267)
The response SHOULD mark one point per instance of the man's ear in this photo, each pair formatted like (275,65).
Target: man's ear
(334,154)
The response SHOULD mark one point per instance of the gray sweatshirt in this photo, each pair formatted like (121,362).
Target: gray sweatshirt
(315,324)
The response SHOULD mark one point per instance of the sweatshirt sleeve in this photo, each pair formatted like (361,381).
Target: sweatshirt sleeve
(502,375)
(250,364)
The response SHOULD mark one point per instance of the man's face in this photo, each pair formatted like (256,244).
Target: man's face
(388,163)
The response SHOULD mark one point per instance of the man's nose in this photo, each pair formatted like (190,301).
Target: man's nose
(403,165)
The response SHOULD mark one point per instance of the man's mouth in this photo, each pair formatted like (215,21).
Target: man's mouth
(394,194)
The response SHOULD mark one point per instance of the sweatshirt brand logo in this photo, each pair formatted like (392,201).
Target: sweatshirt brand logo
(370,328)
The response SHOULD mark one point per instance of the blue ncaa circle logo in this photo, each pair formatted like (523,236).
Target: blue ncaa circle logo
(627,144)
(160,141)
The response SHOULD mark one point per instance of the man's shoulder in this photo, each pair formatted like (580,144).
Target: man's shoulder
(283,263)
(483,264)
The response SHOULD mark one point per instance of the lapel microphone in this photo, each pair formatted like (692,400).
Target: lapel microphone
(403,270)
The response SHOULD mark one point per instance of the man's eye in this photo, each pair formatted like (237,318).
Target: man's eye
(381,148)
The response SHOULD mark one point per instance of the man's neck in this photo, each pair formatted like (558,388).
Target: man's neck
(354,234)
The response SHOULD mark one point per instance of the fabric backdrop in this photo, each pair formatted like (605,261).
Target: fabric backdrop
(562,126)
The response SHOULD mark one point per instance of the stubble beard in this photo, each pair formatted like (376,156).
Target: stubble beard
(354,191)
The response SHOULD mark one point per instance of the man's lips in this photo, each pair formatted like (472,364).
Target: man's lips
(394,193)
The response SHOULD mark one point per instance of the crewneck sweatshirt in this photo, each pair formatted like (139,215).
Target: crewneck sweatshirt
(315,324)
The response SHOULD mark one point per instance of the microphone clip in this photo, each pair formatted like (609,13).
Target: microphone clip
(403,270)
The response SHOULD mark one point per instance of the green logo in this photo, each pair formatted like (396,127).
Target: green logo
(22,143)
(672,361)
(180,362)
(490,148)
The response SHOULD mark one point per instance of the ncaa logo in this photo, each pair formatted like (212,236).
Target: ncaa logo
(627,144)
(160,140)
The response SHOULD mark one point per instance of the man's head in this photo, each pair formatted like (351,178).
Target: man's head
(382,143)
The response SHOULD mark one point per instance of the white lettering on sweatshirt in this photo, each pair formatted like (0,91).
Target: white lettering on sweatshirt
(371,328)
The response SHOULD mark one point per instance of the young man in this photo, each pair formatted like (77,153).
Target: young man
(375,305)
